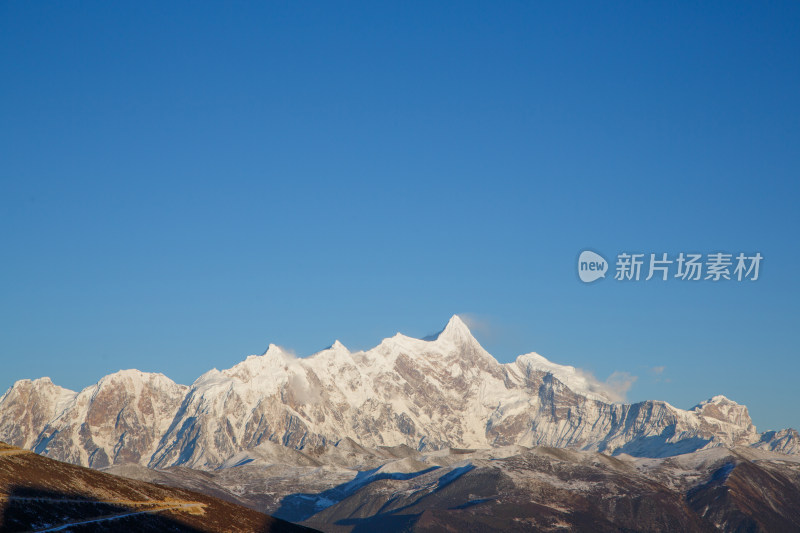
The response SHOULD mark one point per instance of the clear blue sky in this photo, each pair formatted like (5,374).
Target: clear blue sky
(183,183)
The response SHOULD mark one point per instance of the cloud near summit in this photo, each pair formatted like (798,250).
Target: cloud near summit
(615,387)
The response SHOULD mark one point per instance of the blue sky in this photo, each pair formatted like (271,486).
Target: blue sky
(183,183)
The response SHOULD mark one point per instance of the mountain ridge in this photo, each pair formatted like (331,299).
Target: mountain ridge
(426,394)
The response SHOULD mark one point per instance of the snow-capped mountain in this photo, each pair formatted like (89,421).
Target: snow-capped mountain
(427,394)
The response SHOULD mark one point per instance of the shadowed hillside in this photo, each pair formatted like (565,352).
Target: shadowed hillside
(41,494)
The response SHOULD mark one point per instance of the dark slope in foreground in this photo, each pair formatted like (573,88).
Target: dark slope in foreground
(41,494)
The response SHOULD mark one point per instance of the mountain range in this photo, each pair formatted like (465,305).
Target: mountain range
(430,394)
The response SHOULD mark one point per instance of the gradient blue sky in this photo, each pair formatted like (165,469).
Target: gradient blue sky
(184,183)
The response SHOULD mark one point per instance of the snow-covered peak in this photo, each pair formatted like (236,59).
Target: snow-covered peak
(133,374)
(454,339)
(261,367)
(209,375)
(337,350)
(45,388)
(43,385)
(577,380)
(133,382)
(717,400)
(718,403)
(272,350)
(255,365)
(338,346)
(212,379)
(456,331)
(721,408)
(335,354)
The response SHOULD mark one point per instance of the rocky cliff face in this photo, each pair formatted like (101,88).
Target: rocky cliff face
(28,407)
(427,394)
(120,419)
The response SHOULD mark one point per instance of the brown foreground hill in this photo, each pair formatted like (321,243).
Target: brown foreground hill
(41,494)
